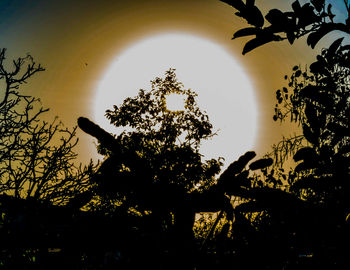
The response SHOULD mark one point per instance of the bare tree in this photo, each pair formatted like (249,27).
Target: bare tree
(36,157)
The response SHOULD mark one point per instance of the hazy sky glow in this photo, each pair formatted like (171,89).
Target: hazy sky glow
(224,89)
(78,41)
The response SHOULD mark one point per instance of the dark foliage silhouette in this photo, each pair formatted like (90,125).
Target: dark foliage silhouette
(178,248)
(141,204)
(308,210)
(36,156)
(154,167)
(313,19)
(37,169)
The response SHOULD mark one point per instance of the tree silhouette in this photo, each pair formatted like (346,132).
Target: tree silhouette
(319,102)
(164,143)
(36,156)
(41,187)
(319,99)
(154,166)
(311,209)
(129,176)
(141,203)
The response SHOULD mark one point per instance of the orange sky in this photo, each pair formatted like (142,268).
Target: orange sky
(64,35)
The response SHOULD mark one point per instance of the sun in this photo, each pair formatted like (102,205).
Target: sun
(224,90)
(175,102)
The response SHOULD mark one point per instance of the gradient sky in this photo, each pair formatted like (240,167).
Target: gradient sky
(63,35)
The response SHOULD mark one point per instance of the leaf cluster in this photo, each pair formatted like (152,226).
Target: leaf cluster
(314,19)
(319,100)
(148,115)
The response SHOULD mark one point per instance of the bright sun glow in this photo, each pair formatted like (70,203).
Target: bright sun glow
(223,88)
(175,102)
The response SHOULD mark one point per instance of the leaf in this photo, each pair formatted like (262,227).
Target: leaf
(237,166)
(330,14)
(96,131)
(258,41)
(246,32)
(334,47)
(323,30)
(320,66)
(291,37)
(307,16)
(317,68)
(254,16)
(306,153)
(261,164)
(275,16)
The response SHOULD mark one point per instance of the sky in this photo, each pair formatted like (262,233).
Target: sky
(76,40)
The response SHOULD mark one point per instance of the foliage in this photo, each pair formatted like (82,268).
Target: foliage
(319,102)
(158,152)
(313,19)
(318,99)
(36,157)
(41,187)
(153,179)
(306,207)
(203,224)
(148,114)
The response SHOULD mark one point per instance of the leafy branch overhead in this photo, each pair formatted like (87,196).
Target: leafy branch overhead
(318,100)
(313,19)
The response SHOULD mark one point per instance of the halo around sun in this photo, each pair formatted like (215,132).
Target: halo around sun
(224,90)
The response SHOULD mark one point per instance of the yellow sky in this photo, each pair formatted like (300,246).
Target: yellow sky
(64,36)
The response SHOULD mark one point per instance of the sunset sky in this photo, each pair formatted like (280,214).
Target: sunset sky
(76,41)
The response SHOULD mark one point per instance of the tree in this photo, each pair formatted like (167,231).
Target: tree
(306,208)
(163,143)
(318,100)
(36,157)
(314,194)
(154,167)
(41,186)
